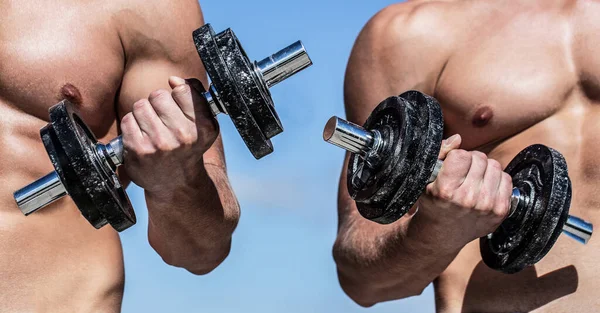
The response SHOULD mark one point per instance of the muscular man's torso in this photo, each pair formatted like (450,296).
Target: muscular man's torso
(54,260)
(519,73)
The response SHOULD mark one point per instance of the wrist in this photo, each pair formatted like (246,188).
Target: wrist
(184,182)
(434,237)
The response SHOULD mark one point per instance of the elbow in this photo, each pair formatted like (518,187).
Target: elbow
(367,281)
(199,251)
(204,267)
(361,293)
(198,260)
(354,278)
(367,292)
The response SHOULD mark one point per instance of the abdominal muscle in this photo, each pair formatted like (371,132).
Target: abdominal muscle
(52,260)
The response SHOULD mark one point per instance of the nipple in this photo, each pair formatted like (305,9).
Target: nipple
(482,116)
(71,93)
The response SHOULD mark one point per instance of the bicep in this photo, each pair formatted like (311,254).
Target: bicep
(158,44)
(145,76)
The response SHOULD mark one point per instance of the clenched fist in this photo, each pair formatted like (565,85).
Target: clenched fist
(165,136)
(470,196)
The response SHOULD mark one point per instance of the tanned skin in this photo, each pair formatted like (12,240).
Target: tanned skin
(508,74)
(105,57)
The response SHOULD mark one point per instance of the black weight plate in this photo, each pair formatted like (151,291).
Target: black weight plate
(431,127)
(69,178)
(559,226)
(528,234)
(96,179)
(373,186)
(255,92)
(232,98)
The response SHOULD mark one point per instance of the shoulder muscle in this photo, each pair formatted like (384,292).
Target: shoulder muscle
(402,47)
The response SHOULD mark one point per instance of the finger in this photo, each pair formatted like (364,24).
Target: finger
(175,81)
(451,143)
(183,95)
(147,119)
(189,95)
(205,118)
(489,187)
(130,130)
(200,104)
(453,172)
(167,109)
(474,177)
(502,207)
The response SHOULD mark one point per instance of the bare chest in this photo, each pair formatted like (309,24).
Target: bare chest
(63,44)
(508,74)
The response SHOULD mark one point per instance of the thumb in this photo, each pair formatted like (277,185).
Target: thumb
(198,91)
(451,143)
(175,81)
(194,83)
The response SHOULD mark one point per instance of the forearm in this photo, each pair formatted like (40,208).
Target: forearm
(378,263)
(190,225)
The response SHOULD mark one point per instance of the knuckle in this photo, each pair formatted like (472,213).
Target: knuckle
(484,198)
(182,90)
(157,94)
(161,145)
(484,205)
(479,155)
(469,202)
(479,159)
(445,192)
(185,136)
(466,199)
(459,156)
(451,155)
(127,119)
(494,164)
(140,104)
(142,150)
(456,153)
(502,209)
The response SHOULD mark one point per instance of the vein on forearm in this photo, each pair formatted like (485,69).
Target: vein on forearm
(203,209)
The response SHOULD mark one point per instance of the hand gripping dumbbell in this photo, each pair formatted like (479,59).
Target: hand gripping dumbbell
(85,169)
(395,155)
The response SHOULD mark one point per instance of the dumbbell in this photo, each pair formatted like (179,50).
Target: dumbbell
(395,155)
(85,169)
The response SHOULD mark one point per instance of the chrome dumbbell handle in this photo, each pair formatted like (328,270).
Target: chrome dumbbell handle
(355,139)
(49,188)
(283,64)
(272,70)
(40,193)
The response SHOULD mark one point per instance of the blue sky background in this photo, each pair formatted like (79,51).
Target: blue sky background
(281,256)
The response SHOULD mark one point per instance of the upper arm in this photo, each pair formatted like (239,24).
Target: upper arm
(157,42)
(402,47)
